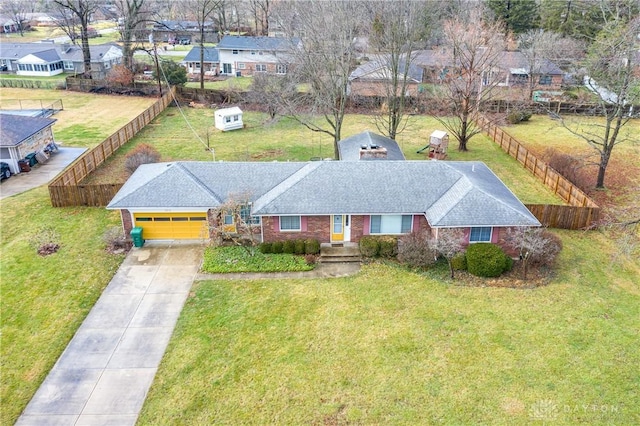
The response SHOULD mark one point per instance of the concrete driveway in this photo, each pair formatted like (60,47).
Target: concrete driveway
(103,376)
(40,174)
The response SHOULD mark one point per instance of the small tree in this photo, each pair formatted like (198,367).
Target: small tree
(448,243)
(120,74)
(234,223)
(414,249)
(534,245)
(268,90)
(171,72)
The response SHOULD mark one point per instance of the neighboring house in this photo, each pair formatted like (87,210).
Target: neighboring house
(369,146)
(48,59)
(512,70)
(171,31)
(22,135)
(242,55)
(211,65)
(332,201)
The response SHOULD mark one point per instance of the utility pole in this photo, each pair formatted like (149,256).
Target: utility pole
(155,57)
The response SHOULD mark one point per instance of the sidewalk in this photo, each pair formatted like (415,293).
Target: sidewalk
(104,374)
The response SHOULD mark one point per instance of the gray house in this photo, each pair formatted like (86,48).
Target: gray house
(48,59)
(211,62)
(332,201)
(22,135)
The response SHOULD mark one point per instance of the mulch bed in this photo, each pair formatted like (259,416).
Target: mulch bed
(536,277)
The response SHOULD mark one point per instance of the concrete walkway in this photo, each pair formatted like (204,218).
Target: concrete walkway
(40,174)
(103,376)
(322,270)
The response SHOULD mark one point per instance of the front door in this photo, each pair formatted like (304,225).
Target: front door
(340,228)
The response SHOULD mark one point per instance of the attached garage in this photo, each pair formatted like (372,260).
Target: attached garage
(172,226)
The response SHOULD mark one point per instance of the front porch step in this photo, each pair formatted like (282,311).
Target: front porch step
(333,253)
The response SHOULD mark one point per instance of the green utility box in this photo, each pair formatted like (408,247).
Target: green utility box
(136,236)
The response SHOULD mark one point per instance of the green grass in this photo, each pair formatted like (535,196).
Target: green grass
(393,347)
(286,140)
(241,84)
(237,259)
(45,299)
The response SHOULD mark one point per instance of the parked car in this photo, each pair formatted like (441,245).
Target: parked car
(5,171)
(185,41)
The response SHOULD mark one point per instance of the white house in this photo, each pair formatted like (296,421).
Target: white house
(241,55)
(228,119)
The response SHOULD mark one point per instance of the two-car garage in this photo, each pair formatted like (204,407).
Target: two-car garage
(172,226)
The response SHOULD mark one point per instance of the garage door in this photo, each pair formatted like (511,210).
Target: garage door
(172,226)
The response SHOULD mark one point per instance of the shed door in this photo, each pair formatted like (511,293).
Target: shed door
(172,226)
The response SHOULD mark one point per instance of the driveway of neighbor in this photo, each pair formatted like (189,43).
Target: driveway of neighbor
(104,374)
(40,174)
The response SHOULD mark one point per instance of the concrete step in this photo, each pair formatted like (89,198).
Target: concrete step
(340,259)
(339,251)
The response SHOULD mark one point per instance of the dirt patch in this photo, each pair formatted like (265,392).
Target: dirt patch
(536,277)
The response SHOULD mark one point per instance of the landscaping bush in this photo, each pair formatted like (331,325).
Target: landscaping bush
(276,247)
(288,247)
(487,260)
(388,246)
(369,246)
(414,250)
(265,248)
(115,240)
(141,154)
(298,247)
(551,250)
(311,246)
(459,262)
(310,259)
(516,117)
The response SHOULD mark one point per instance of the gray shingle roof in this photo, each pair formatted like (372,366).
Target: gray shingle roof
(53,52)
(210,55)
(16,128)
(257,43)
(380,67)
(450,194)
(349,148)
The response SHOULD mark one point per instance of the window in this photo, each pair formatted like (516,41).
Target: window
(290,223)
(390,224)
(281,69)
(68,65)
(234,51)
(226,68)
(197,65)
(227,119)
(241,65)
(253,52)
(245,215)
(261,68)
(228,218)
(235,118)
(545,80)
(480,235)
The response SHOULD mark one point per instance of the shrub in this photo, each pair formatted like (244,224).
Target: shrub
(276,247)
(288,247)
(548,256)
(572,168)
(265,248)
(115,240)
(141,154)
(459,262)
(369,246)
(298,246)
(487,260)
(388,246)
(311,246)
(516,117)
(414,250)
(174,73)
(310,259)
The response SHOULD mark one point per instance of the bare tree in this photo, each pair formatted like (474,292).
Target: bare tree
(17,10)
(448,243)
(135,14)
(203,11)
(395,34)
(82,10)
(234,223)
(540,47)
(470,54)
(323,61)
(534,245)
(67,21)
(260,10)
(269,91)
(611,77)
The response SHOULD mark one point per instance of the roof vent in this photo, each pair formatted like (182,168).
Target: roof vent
(374,146)
(363,146)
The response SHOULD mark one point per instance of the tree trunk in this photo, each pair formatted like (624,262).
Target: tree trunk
(450,267)
(602,168)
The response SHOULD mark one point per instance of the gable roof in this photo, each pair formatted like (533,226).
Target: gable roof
(349,148)
(378,69)
(50,52)
(210,55)
(449,194)
(257,43)
(16,128)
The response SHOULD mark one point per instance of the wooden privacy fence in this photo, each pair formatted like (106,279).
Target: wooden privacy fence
(66,190)
(582,210)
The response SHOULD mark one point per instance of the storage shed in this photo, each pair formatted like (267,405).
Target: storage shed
(438,144)
(228,119)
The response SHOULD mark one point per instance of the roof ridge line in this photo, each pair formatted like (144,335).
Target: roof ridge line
(197,181)
(285,184)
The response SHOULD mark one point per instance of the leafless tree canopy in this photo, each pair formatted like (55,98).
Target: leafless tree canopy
(81,10)
(17,10)
(448,243)
(471,50)
(135,15)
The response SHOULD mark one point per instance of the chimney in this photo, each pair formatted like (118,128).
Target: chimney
(373,152)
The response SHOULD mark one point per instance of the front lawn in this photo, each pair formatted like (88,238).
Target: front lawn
(45,299)
(388,346)
(239,259)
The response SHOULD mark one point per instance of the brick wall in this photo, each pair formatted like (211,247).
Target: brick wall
(316,227)
(127,221)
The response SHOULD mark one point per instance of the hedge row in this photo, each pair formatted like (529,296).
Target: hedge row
(309,246)
(379,246)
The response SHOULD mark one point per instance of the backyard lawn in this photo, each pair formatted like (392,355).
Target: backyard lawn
(389,346)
